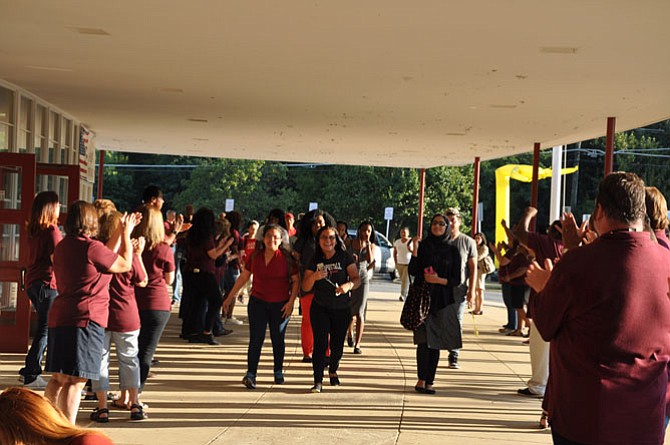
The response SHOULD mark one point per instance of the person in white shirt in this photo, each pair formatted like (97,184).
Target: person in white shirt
(402,253)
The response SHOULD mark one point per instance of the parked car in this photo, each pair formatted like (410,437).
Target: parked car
(384,262)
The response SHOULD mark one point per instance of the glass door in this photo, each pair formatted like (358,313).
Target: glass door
(17,189)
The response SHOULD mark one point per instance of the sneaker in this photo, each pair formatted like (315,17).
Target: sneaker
(249,382)
(506,330)
(235,321)
(317,388)
(453,363)
(38,384)
(307,359)
(401,298)
(528,393)
(279,378)
(217,333)
(21,378)
(204,338)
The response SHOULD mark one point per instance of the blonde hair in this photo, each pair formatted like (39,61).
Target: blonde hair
(104,206)
(657,208)
(26,418)
(151,227)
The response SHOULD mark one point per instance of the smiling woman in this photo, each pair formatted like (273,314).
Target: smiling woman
(332,273)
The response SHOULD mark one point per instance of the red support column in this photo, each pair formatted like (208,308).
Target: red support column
(536,180)
(422,187)
(101,168)
(609,145)
(475,198)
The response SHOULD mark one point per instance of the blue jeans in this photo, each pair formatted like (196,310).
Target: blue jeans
(261,314)
(41,296)
(511,312)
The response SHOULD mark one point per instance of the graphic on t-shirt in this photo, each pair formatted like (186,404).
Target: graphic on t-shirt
(331,268)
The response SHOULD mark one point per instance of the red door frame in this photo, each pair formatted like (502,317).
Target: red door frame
(14,333)
(14,330)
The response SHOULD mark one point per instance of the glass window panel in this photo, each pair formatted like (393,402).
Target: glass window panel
(25,141)
(6,105)
(5,137)
(25,116)
(9,247)
(58,184)
(8,298)
(10,188)
(40,131)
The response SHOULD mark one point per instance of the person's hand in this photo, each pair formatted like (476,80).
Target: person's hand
(287,309)
(589,236)
(493,247)
(178,224)
(504,224)
(138,245)
(342,289)
(530,212)
(572,234)
(225,243)
(320,274)
(537,277)
(227,302)
(432,278)
(129,221)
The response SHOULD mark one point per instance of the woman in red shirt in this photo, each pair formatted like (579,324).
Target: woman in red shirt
(78,316)
(43,235)
(273,293)
(153,301)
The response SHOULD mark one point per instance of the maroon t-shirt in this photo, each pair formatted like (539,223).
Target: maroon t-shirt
(123,313)
(545,247)
(606,312)
(198,258)
(271,282)
(157,262)
(517,262)
(81,266)
(40,249)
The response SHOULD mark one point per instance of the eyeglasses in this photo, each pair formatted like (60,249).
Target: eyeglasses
(328,237)
(438,223)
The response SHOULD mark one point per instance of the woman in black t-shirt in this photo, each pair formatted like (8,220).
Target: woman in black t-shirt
(332,274)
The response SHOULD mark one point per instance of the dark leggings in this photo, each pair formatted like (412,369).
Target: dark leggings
(426,362)
(333,322)
(153,324)
(202,302)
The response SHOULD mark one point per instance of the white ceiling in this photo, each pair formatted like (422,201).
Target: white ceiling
(378,82)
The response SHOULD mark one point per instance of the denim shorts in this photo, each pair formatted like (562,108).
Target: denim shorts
(76,351)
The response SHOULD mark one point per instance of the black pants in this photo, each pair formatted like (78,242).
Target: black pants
(201,303)
(426,362)
(325,322)
(153,324)
(560,440)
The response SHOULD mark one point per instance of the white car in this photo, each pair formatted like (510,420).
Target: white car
(384,262)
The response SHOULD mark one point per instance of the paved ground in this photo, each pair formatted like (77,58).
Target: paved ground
(197,396)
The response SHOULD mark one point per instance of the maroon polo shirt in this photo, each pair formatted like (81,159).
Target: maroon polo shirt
(157,261)
(40,249)
(544,247)
(606,312)
(271,281)
(123,313)
(81,266)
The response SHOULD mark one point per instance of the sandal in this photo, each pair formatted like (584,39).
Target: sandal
(544,420)
(98,413)
(139,414)
(118,404)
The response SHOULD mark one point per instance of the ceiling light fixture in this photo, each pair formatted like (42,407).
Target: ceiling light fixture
(558,49)
(88,31)
(49,68)
(201,121)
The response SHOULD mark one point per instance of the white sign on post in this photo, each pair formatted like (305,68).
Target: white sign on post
(230,205)
(313,206)
(388,213)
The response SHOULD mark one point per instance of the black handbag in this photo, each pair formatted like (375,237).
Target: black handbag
(416,307)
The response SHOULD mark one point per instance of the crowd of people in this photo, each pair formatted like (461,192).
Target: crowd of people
(593,297)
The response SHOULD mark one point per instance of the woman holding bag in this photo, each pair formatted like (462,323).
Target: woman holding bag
(437,263)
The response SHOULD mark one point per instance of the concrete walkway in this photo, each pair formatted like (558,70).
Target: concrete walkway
(197,396)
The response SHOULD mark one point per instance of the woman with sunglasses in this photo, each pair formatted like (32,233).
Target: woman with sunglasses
(332,274)
(435,263)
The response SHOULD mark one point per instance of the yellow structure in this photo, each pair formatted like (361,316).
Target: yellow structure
(523,173)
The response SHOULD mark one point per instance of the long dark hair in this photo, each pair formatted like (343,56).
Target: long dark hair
(203,227)
(235,219)
(373,234)
(308,220)
(43,212)
(280,215)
